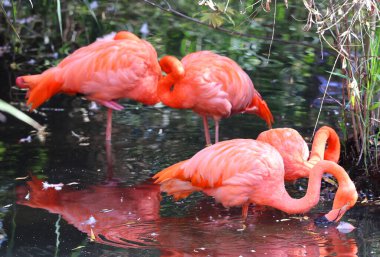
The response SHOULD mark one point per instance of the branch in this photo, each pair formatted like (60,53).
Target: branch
(228,31)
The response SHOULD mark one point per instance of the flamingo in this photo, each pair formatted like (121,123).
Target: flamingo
(130,218)
(295,153)
(212,86)
(243,171)
(124,66)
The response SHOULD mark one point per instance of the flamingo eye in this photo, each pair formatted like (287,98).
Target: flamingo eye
(171,88)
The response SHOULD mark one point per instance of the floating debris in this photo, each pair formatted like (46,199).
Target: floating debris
(92,236)
(21,178)
(72,183)
(80,138)
(27,197)
(106,210)
(345,227)
(77,248)
(27,139)
(46,185)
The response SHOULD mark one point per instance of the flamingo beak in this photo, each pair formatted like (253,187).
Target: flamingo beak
(332,217)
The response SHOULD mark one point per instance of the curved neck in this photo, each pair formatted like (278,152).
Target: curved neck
(346,192)
(166,86)
(318,152)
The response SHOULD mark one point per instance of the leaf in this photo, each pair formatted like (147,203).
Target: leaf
(59,16)
(91,11)
(214,19)
(8,20)
(338,75)
(4,106)
(374,106)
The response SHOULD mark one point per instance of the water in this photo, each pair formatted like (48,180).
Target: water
(108,205)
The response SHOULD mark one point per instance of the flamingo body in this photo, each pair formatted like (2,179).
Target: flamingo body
(243,171)
(106,70)
(212,86)
(295,152)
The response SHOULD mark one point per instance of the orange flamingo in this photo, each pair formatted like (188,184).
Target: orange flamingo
(106,70)
(135,222)
(295,153)
(243,171)
(212,86)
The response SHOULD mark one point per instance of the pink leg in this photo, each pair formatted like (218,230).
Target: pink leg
(109,125)
(109,160)
(216,131)
(244,213)
(207,132)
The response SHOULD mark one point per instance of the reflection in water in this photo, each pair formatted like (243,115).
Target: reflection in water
(128,217)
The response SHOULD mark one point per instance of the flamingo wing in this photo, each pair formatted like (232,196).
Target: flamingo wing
(127,68)
(221,86)
(233,162)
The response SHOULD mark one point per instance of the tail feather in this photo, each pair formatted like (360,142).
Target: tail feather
(259,107)
(174,182)
(41,87)
(172,172)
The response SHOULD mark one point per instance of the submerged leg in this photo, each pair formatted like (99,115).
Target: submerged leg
(109,124)
(207,132)
(109,160)
(216,130)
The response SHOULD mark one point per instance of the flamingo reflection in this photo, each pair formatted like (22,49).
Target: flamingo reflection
(129,217)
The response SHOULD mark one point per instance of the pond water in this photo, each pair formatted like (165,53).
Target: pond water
(108,205)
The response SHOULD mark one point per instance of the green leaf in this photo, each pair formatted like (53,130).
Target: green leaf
(59,17)
(338,74)
(374,106)
(91,11)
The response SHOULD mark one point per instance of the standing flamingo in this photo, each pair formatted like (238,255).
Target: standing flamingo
(295,153)
(106,70)
(212,86)
(243,171)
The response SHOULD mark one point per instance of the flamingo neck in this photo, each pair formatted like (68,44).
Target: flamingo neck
(346,191)
(167,90)
(318,152)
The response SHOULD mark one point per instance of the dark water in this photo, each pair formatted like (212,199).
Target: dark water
(108,205)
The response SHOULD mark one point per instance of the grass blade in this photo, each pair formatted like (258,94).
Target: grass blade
(6,107)
(59,15)
(8,20)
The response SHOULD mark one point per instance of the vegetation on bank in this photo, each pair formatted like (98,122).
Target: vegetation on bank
(345,33)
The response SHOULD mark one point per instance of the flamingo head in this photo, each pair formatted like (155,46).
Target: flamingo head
(345,198)
(125,35)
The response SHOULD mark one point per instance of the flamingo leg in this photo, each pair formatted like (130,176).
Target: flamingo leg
(109,125)
(245,211)
(109,160)
(216,131)
(207,132)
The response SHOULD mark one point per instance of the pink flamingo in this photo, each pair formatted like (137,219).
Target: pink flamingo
(106,70)
(212,86)
(295,153)
(243,171)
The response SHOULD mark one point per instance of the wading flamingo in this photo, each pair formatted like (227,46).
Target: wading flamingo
(243,171)
(129,217)
(109,69)
(295,152)
(211,85)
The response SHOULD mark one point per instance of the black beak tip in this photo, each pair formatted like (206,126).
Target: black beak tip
(323,222)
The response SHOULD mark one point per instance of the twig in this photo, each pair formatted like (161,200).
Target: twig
(231,32)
